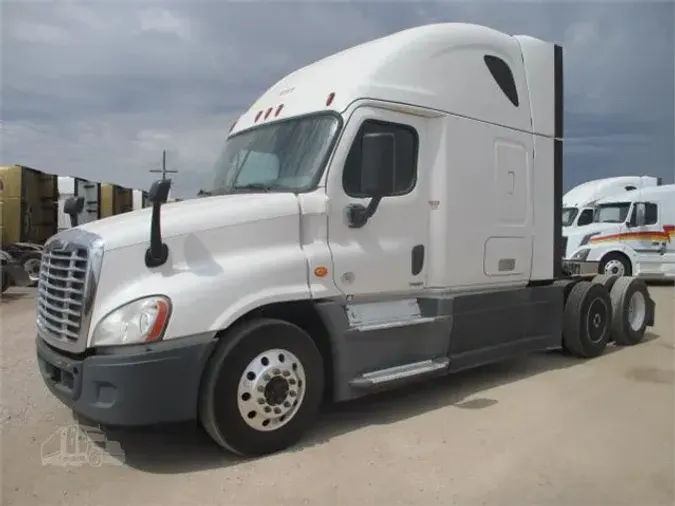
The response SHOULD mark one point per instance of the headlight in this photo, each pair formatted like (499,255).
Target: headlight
(581,255)
(139,321)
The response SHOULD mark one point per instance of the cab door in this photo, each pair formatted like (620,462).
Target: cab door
(387,254)
(647,238)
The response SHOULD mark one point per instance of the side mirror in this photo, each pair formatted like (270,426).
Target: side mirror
(640,214)
(159,191)
(73,206)
(377,164)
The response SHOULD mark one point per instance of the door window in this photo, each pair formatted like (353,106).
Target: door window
(651,214)
(405,159)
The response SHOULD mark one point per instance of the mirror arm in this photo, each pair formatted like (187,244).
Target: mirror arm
(358,215)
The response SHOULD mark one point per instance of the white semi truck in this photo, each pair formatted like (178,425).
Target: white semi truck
(384,215)
(578,203)
(632,234)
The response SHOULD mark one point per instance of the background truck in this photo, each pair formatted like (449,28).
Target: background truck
(29,215)
(387,214)
(633,234)
(115,200)
(78,187)
(578,202)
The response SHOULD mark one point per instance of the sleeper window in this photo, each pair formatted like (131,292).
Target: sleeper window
(405,172)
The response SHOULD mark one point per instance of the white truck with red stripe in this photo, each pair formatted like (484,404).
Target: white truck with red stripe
(578,203)
(632,234)
(387,214)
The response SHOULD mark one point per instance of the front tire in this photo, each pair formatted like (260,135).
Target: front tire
(5,281)
(262,394)
(31,264)
(616,264)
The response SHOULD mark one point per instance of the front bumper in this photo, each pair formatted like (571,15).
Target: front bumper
(17,274)
(132,385)
(581,268)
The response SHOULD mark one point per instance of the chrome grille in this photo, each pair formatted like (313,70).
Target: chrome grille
(62,291)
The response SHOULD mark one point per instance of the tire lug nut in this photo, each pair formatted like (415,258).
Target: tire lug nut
(261,388)
(267,409)
(277,411)
(291,381)
(287,374)
(276,371)
(261,401)
(287,404)
(292,393)
(266,377)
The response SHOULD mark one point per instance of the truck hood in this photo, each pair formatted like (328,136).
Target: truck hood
(576,234)
(194,215)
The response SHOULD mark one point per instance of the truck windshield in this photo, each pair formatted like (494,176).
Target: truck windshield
(616,212)
(568,215)
(283,156)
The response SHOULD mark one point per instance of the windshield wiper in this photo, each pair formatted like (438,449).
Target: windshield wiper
(266,187)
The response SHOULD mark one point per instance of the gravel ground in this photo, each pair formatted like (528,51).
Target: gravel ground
(545,430)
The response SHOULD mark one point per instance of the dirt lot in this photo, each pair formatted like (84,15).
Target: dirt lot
(546,430)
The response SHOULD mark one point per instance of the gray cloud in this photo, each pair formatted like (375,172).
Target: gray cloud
(99,88)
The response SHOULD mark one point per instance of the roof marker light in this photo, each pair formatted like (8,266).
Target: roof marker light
(268,112)
(330,98)
(279,108)
(233,125)
(257,116)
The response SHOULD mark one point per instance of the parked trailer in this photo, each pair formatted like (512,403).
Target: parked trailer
(372,223)
(29,215)
(578,203)
(140,199)
(78,187)
(115,200)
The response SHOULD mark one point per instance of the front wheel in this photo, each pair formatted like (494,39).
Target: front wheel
(615,264)
(262,394)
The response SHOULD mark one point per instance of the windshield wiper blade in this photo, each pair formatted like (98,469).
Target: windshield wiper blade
(266,187)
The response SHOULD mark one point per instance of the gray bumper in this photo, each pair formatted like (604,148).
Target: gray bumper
(127,386)
(581,268)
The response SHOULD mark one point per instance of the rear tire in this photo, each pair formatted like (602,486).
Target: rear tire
(587,320)
(606,280)
(630,299)
(263,394)
(616,264)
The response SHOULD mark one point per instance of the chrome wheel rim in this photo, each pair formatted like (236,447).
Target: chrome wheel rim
(271,390)
(32,267)
(637,310)
(615,267)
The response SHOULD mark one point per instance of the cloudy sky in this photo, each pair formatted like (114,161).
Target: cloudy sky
(97,88)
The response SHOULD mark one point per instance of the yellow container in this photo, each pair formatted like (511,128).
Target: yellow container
(29,202)
(115,200)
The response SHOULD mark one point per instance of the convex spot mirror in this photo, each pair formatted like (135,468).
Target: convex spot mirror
(159,191)
(378,164)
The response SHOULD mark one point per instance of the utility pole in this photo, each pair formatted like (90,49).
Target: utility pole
(163,171)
